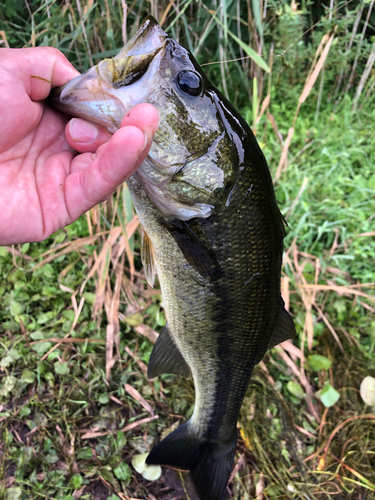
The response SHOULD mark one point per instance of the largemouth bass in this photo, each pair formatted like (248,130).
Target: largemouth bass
(212,231)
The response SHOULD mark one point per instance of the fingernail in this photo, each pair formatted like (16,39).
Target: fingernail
(146,142)
(82,131)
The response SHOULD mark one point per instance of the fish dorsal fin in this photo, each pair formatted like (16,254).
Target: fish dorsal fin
(195,252)
(166,357)
(147,257)
(284,327)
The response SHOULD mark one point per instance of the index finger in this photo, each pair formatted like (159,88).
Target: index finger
(42,69)
(27,76)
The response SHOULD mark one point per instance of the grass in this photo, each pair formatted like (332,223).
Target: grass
(78,319)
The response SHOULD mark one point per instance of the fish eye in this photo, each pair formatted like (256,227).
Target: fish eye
(190,82)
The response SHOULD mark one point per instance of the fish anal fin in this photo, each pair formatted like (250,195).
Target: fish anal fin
(284,327)
(166,357)
(147,257)
(178,449)
(210,463)
(195,252)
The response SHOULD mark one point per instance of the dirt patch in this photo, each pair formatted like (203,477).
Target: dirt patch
(170,487)
(98,490)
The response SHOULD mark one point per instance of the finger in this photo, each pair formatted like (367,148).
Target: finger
(84,136)
(39,68)
(96,176)
(143,116)
(27,76)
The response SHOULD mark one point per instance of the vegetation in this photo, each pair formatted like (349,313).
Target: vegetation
(78,319)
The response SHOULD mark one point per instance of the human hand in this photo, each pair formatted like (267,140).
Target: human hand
(44,184)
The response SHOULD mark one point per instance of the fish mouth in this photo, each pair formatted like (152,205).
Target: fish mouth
(107,91)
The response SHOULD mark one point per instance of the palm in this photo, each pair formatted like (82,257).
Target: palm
(35,161)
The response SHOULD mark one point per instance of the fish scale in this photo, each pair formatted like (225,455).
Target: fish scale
(212,231)
(227,310)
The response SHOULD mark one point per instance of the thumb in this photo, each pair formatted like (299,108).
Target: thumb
(95,177)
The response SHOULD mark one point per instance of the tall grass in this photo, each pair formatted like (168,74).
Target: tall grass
(78,319)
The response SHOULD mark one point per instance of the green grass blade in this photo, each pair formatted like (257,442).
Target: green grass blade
(249,51)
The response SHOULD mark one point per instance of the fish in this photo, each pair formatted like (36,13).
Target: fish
(211,231)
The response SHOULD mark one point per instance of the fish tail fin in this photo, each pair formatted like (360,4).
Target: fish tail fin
(210,463)
(211,473)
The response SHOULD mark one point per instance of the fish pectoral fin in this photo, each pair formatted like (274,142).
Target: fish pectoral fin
(284,328)
(195,252)
(166,357)
(147,257)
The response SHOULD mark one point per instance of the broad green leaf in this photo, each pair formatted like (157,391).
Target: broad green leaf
(6,361)
(54,355)
(42,348)
(62,368)
(103,399)
(15,308)
(134,319)
(15,353)
(42,318)
(18,275)
(76,481)
(318,362)
(90,297)
(85,454)
(13,494)
(48,271)
(52,457)
(106,473)
(295,389)
(8,385)
(123,472)
(28,376)
(160,318)
(329,396)
(69,314)
(25,248)
(25,411)
(37,335)
(60,237)
(121,439)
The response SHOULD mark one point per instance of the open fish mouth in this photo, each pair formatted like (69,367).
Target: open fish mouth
(184,171)
(106,92)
